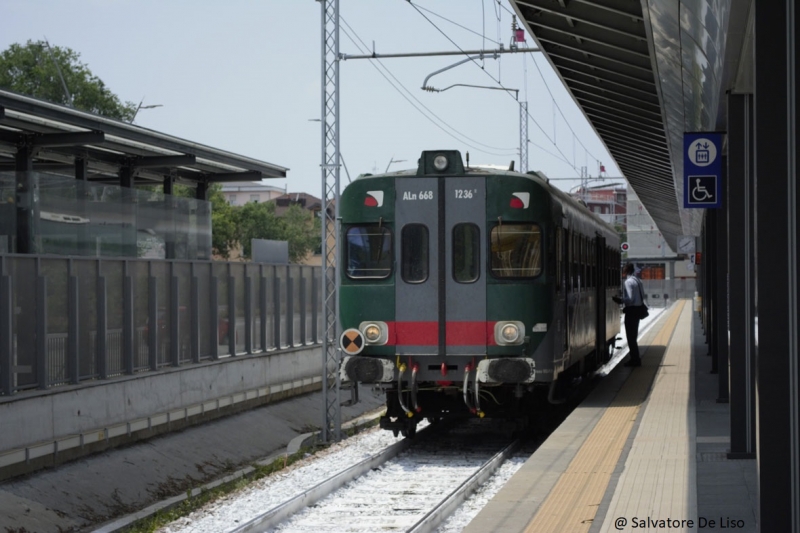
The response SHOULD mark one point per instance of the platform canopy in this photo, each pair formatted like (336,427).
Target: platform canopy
(644,72)
(62,140)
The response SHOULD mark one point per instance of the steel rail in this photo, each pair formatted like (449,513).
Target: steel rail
(311,496)
(435,518)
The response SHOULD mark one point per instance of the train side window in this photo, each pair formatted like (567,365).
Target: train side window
(415,251)
(368,252)
(559,257)
(516,250)
(466,253)
(575,262)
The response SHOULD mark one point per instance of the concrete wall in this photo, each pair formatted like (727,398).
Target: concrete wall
(58,424)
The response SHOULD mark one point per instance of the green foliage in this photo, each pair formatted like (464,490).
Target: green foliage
(303,230)
(297,226)
(30,69)
(224,230)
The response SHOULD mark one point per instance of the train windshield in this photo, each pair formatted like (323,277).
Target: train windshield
(516,250)
(369,252)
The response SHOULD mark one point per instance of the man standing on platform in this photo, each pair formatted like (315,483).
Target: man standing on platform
(632,297)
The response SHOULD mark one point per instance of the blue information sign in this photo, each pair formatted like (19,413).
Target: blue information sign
(702,170)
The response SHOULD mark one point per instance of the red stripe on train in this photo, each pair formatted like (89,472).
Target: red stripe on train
(427,333)
(414,333)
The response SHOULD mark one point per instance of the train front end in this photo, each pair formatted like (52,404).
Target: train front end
(444,301)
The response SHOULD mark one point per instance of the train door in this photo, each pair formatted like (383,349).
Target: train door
(465,253)
(441,288)
(417,283)
(600,296)
(562,244)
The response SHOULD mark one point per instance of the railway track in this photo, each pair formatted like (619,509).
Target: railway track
(410,486)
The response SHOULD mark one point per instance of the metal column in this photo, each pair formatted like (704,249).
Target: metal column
(26,197)
(739,204)
(523,137)
(777,358)
(331,427)
(720,303)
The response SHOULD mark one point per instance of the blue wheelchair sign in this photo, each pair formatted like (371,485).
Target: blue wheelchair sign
(702,170)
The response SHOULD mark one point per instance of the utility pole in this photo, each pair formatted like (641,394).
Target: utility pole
(523,137)
(332,414)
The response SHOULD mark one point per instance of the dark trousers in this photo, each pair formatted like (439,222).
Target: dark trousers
(632,332)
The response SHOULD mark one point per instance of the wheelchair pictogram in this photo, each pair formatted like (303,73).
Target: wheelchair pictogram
(699,193)
(702,189)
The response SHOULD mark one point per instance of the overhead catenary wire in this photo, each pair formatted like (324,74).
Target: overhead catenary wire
(347,30)
(559,108)
(563,156)
(482,35)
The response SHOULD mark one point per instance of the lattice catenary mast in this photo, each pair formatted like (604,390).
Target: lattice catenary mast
(332,414)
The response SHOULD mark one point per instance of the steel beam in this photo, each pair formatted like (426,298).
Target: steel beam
(11,137)
(250,175)
(164,161)
(78,138)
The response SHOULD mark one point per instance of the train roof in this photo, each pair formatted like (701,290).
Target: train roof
(486,170)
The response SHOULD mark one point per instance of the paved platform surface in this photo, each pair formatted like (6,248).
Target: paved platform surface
(646,451)
(83,494)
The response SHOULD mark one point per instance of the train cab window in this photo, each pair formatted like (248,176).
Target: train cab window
(466,253)
(415,252)
(368,252)
(516,250)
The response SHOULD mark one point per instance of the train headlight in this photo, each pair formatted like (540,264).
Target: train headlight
(509,333)
(372,333)
(375,332)
(440,162)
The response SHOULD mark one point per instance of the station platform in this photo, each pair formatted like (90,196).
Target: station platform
(646,451)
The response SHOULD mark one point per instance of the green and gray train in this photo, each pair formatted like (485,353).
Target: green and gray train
(471,291)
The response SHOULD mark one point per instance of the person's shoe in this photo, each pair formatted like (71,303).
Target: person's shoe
(634,362)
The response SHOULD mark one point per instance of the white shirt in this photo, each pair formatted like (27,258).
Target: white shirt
(632,291)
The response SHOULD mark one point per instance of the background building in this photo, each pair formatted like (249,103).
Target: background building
(663,271)
(242,192)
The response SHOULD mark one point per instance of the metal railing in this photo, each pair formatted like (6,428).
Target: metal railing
(72,320)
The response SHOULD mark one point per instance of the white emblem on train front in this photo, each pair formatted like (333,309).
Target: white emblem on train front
(524,199)
(374,199)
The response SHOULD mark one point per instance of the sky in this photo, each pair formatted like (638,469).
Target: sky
(245,76)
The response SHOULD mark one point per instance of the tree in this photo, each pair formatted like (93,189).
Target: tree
(30,69)
(298,226)
(303,230)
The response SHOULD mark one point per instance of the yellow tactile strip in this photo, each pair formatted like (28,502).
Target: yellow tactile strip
(660,480)
(572,504)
